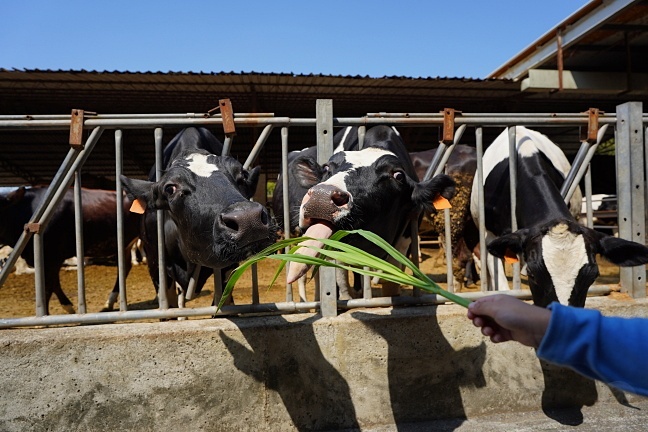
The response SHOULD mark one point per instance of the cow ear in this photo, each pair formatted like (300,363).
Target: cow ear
(425,193)
(252,180)
(145,192)
(622,252)
(308,172)
(508,244)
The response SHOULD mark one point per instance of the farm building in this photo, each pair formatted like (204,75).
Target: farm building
(365,369)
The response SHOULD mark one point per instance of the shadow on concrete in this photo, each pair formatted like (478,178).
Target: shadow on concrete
(314,393)
(425,372)
(566,393)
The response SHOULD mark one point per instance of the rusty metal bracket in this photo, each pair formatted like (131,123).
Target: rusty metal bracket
(227,114)
(76,128)
(32,227)
(591,136)
(449,125)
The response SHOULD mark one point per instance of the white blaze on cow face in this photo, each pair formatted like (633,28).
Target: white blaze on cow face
(358,159)
(564,255)
(340,146)
(197,163)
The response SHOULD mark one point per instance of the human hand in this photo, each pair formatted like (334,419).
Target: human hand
(503,318)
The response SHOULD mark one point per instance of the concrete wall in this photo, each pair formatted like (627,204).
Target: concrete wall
(363,369)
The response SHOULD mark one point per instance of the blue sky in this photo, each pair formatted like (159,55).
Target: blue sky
(368,38)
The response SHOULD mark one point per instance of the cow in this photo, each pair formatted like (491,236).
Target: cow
(209,218)
(303,173)
(375,189)
(464,235)
(99,230)
(560,254)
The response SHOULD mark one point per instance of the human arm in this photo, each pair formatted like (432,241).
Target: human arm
(610,349)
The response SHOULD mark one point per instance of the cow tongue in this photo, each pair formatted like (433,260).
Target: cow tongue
(316,231)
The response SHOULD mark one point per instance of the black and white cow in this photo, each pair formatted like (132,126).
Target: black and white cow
(375,189)
(99,230)
(303,173)
(559,253)
(210,219)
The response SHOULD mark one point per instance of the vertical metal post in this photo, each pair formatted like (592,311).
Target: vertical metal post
(121,265)
(630,189)
(218,286)
(324,131)
(362,131)
(448,250)
(479,144)
(78,225)
(286,202)
(513,191)
(39,275)
(162,280)
(588,197)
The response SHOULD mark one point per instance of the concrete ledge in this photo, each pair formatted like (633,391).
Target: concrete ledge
(362,369)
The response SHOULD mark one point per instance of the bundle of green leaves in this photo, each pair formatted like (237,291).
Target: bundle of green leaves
(336,253)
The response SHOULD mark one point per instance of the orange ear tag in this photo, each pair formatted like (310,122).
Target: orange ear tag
(510,257)
(138,206)
(441,203)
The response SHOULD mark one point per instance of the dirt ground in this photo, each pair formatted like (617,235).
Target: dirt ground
(17,297)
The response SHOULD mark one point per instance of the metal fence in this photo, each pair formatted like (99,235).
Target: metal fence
(628,124)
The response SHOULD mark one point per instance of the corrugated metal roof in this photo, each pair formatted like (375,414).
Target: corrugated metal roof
(33,157)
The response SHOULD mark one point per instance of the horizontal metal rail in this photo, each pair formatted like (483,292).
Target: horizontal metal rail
(283,307)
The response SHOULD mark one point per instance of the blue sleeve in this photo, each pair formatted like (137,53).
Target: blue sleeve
(610,349)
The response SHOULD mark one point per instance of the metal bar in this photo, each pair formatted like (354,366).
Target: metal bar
(362,131)
(479,137)
(227,145)
(448,250)
(121,263)
(285,201)
(39,275)
(638,208)
(448,151)
(588,197)
(513,191)
(585,164)
(287,307)
(503,120)
(193,281)
(578,161)
(324,133)
(258,146)
(80,255)
(162,276)
(255,283)
(218,286)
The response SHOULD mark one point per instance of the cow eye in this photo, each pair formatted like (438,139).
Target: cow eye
(399,175)
(170,189)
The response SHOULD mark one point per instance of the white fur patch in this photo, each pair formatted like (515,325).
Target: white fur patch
(564,255)
(197,163)
(357,159)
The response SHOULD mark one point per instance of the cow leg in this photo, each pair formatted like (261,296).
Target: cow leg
(52,274)
(114,294)
(342,281)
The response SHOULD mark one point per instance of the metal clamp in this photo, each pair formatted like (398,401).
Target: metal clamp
(32,227)
(449,125)
(227,115)
(592,126)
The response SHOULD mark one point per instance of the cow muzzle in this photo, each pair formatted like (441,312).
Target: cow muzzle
(244,223)
(324,202)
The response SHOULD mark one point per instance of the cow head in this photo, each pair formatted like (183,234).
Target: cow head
(561,258)
(207,196)
(369,189)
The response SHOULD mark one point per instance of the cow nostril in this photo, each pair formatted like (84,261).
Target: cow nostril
(264,218)
(230,223)
(340,198)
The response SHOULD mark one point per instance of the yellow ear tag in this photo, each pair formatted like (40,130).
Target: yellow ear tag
(441,203)
(138,206)
(510,257)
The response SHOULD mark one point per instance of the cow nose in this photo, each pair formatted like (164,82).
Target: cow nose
(245,222)
(325,201)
